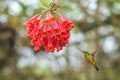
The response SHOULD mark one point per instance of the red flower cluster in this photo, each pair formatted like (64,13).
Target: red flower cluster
(51,32)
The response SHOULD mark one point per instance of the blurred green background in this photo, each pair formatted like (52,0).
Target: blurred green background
(97,25)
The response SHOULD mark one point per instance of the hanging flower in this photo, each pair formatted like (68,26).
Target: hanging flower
(51,32)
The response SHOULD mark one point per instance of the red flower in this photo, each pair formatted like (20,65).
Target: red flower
(50,32)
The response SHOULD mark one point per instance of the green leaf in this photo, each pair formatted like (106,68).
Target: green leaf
(45,3)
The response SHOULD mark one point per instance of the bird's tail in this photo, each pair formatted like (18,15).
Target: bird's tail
(96,68)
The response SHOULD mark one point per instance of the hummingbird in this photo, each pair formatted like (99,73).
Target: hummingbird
(90,58)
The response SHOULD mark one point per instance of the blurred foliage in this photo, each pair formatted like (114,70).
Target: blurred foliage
(97,25)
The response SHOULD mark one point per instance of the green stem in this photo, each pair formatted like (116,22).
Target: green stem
(56,13)
(52,0)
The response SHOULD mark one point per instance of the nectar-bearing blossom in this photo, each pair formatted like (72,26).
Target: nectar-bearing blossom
(50,32)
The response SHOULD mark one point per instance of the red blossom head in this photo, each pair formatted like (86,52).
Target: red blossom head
(49,31)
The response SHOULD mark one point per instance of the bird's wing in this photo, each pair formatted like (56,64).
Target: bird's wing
(97,51)
(84,61)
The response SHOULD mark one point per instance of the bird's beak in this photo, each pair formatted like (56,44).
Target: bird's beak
(81,50)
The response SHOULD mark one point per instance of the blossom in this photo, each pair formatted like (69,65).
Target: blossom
(51,32)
